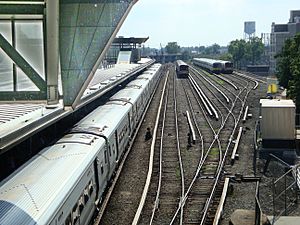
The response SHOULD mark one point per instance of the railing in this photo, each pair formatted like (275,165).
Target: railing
(258,211)
(255,141)
(297,175)
(285,193)
(297,120)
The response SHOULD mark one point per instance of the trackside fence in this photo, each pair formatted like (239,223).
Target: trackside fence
(258,211)
(285,193)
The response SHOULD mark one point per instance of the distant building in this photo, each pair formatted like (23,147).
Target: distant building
(280,33)
(125,50)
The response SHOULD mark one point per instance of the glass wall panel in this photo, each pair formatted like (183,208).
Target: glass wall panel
(24,83)
(6,64)
(29,43)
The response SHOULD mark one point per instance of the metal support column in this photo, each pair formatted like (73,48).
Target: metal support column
(52,53)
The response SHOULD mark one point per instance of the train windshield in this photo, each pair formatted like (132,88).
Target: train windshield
(184,67)
(228,64)
(216,65)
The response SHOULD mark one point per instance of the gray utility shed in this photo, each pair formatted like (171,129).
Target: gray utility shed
(277,119)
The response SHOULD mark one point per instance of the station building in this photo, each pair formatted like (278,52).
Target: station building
(280,33)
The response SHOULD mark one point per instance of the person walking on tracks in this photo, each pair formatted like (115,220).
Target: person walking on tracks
(148,134)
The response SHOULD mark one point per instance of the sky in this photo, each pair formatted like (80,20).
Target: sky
(202,22)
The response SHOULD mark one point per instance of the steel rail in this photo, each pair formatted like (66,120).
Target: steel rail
(192,130)
(258,79)
(202,99)
(150,168)
(179,151)
(221,163)
(221,102)
(250,78)
(221,92)
(222,202)
(196,124)
(118,173)
(201,162)
(215,113)
(156,202)
(245,114)
(236,145)
(205,211)
(227,81)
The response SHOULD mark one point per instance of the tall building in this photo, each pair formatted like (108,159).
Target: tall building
(280,33)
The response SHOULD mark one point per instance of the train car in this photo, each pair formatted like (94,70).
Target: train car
(211,65)
(182,69)
(227,67)
(64,183)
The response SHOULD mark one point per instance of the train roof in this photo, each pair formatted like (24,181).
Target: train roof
(28,196)
(133,89)
(107,117)
(131,92)
(223,61)
(109,114)
(156,65)
(180,63)
(210,61)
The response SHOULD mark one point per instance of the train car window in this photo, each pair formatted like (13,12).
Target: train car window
(75,219)
(113,148)
(91,188)
(60,216)
(68,220)
(102,169)
(81,207)
(75,213)
(85,198)
(109,150)
(75,208)
(105,156)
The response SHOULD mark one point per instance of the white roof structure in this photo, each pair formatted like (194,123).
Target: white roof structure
(277,103)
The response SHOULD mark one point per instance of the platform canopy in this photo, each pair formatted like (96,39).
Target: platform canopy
(130,40)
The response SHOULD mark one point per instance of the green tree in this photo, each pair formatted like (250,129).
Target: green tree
(186,55)
(256,49)
(215,49)
(244,53)
(172,48)
(237,49)
(288,68)
(201,49)
(284,73)
(226,57)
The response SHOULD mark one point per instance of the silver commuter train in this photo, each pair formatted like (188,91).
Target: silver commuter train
(182,69)
(214,65)
(227,66)
(64,182)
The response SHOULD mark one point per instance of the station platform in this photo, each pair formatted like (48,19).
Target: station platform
(20,120)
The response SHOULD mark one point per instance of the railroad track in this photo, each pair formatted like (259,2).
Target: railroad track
(216,172)
(192,196)
(167,183)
